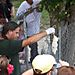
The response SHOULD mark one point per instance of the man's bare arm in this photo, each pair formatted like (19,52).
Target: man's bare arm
(37,37)
(33,38)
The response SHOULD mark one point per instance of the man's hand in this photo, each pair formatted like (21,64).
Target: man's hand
(50,30)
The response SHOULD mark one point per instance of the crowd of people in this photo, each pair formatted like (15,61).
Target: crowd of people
(10,45)
(41,65)
(45,65)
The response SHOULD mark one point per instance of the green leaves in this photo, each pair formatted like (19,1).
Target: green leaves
(58,8)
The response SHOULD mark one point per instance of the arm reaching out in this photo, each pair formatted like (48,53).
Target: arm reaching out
(37,37)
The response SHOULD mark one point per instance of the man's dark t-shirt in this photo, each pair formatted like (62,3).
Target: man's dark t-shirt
(11,49)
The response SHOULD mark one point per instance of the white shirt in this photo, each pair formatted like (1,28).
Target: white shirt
(33,19)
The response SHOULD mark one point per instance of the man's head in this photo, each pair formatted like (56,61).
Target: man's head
(11,30)
(30,1)
(43,63)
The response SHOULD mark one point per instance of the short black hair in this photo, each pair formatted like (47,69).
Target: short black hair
(11,25)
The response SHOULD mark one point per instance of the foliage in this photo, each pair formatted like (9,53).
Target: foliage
(17,3)
(59,9)
(45,18)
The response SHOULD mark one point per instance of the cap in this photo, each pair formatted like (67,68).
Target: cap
(44,63)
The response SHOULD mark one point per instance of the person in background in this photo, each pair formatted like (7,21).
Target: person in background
(10,8)
(66,70)
(5,67)
(10,46)
(6,11)
(30,8)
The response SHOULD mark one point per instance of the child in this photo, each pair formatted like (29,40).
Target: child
(5,67)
